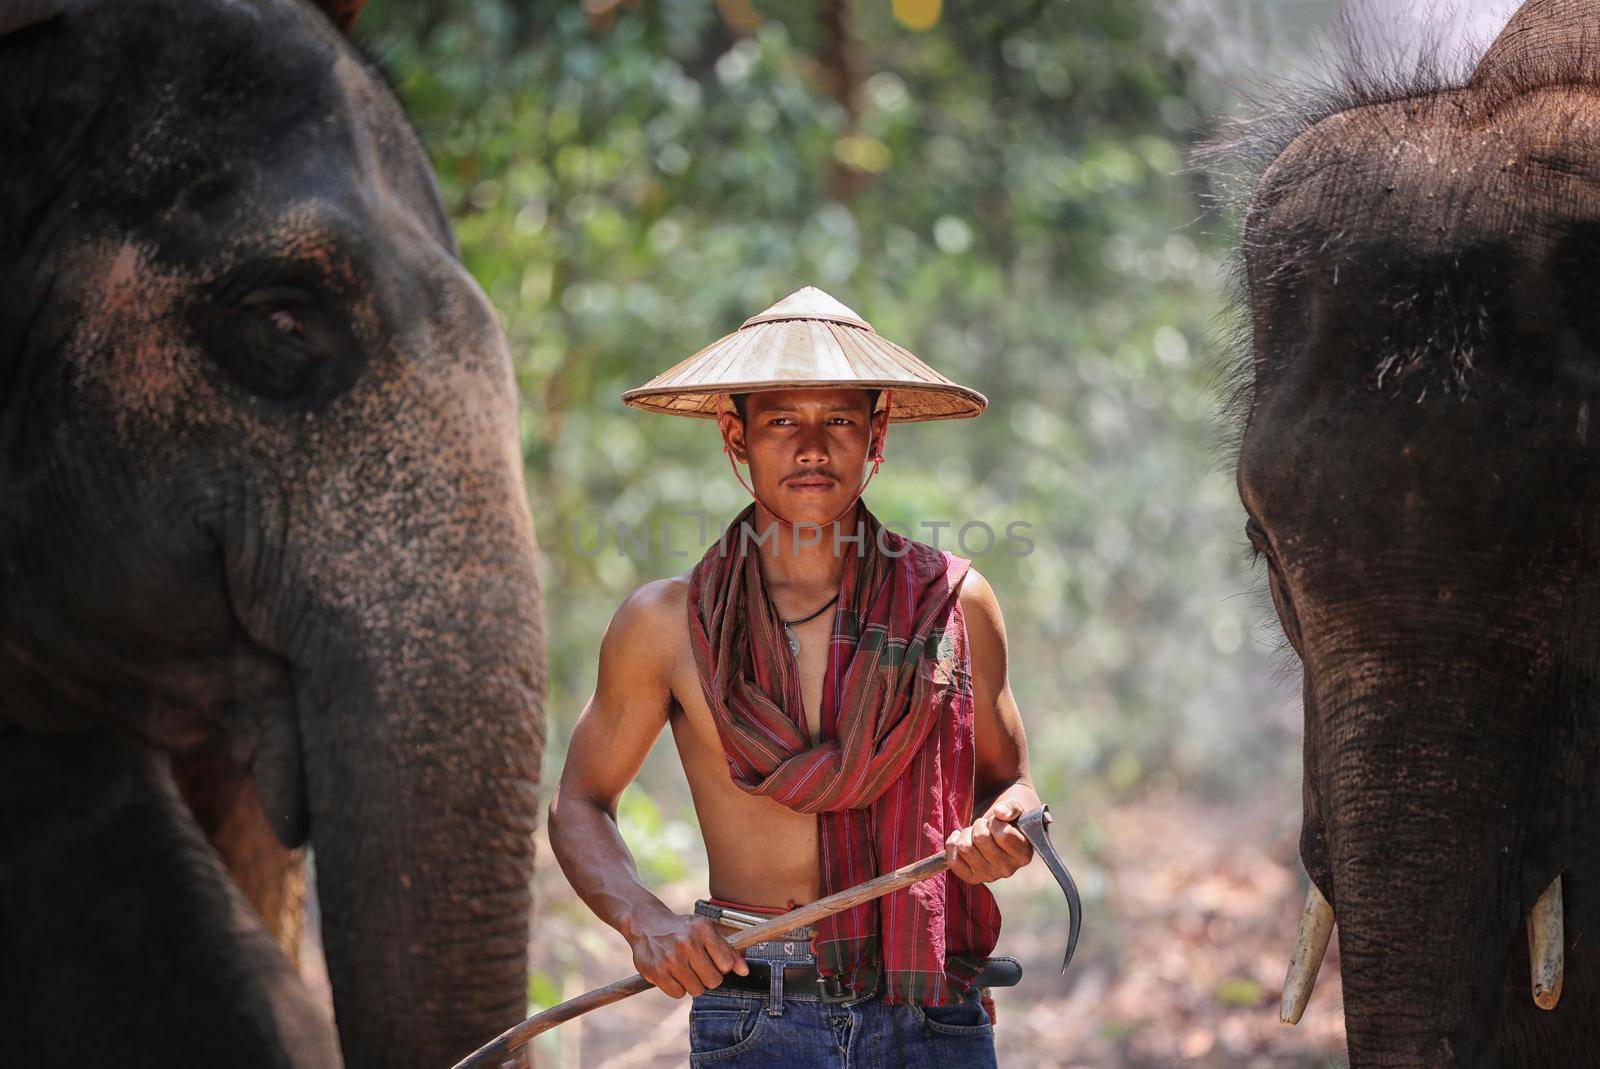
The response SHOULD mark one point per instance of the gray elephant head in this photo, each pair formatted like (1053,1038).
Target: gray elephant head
(1420,261)
(261,478)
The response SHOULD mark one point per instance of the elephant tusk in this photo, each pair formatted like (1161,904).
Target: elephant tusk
(1310,943)
(1546,942)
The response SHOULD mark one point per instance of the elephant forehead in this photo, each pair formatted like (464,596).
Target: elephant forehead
(132,348)
(127,334)
(1437,172)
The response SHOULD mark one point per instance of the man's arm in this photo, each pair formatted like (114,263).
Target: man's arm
(992,848)
(680,955)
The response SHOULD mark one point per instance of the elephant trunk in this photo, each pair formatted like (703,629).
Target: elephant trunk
(1419,988)
(421,773)
(1424,799)
(408,603)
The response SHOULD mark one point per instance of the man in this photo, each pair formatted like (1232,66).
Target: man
(839,701)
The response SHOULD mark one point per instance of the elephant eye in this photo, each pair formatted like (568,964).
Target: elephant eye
(281,330)
(284,322)
(277,349)
(1284,604)
(279,341)
(1259,546)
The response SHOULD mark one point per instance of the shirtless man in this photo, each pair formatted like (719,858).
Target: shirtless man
(806,448)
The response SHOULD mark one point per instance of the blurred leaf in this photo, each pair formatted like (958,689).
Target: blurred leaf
(543,991)
(1240,991)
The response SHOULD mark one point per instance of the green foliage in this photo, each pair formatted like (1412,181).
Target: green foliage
(1004,201)
(660,846)
(1241,991)
(543,991)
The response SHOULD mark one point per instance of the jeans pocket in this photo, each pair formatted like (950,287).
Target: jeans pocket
(965,1018)
(722,1028)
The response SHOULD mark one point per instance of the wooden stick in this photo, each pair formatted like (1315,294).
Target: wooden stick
(504,1049)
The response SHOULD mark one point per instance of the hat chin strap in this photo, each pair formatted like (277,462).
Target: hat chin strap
(877,462)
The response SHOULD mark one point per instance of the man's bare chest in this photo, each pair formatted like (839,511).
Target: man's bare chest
(811,663)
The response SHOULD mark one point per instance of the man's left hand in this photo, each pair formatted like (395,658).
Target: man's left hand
(992,848)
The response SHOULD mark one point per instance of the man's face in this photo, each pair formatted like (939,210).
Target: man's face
(806,448)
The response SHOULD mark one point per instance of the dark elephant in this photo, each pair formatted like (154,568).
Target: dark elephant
(1421,270)
(265,555)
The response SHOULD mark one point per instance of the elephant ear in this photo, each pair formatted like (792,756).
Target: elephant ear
(20,14)
(342,12)
(1546,42)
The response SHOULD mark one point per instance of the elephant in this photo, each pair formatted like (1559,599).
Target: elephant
(1418,368)
(268,571)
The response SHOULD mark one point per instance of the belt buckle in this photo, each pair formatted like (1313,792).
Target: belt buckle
(833,989)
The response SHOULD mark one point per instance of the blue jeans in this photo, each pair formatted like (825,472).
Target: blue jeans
(738,1030)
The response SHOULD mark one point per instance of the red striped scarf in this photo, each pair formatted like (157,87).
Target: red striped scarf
(892,774)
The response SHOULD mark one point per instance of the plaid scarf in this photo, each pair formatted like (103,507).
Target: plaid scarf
(892,774)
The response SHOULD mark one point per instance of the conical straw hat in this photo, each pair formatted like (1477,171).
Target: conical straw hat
(806,340)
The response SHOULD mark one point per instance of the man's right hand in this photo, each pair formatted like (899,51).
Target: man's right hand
(684,955)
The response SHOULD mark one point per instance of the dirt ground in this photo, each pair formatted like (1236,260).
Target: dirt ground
(1190,913)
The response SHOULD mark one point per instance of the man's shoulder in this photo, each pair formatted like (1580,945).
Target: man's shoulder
(651,622)
(980,607)
(975,589)
(659,599)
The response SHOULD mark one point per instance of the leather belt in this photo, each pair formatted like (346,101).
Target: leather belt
(798,980)
(803,979)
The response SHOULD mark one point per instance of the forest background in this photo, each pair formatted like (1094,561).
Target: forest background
(1000,187)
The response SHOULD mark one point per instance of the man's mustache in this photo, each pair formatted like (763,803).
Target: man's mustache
(812,476)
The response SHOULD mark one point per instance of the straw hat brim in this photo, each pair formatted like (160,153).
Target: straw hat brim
(809,353)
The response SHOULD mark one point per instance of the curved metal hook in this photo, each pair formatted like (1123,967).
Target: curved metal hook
(1036,826)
